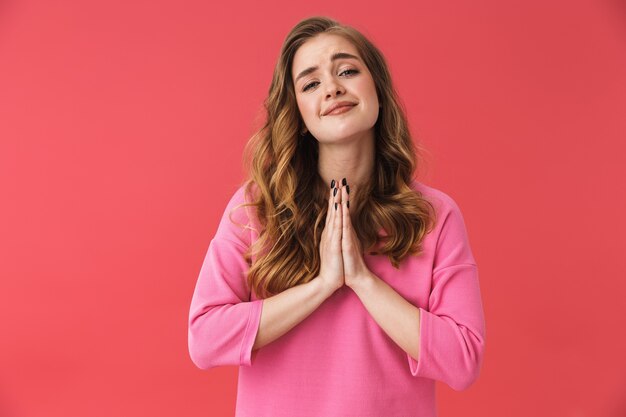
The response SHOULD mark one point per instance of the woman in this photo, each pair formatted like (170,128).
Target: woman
(338,284)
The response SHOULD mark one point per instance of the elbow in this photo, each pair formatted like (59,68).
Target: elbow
(466,379)
(198,353)
(209,346)
(471,368)
(201,342)
(218,337)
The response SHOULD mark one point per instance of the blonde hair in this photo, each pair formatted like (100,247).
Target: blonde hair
(289,195)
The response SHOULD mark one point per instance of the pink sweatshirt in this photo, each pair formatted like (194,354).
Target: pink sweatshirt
(338,362)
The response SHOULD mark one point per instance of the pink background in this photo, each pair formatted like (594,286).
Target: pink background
(122,125)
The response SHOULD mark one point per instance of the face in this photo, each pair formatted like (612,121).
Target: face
(327,70)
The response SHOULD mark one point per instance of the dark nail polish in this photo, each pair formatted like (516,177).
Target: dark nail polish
(332,184)
(335,192)
(335,206)
(348,189)
(348,204)
(344,182)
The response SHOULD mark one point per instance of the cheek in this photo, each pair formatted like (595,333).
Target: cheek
(372,93)
(368,91)
(307,109)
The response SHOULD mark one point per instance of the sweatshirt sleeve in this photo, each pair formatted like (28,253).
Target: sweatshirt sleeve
(452,329)
(223,320)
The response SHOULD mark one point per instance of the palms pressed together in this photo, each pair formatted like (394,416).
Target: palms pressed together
(340,250)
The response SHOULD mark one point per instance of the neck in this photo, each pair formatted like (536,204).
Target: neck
(352,160)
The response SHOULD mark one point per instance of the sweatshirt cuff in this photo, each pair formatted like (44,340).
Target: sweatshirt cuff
(252,328)
(417,367)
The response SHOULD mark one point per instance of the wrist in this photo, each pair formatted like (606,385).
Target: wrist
(321,287)
(362,283)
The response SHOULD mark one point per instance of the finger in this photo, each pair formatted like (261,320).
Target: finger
(346,221)
(330,204)
(332,211)
(345,198)
(345,195)
(337,217)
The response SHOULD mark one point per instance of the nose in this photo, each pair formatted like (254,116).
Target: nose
(334,88)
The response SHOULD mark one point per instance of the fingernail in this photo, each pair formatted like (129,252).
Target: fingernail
(348,204)
(344,182)
(332,184)
(335,192)
(335,206)
(348,189)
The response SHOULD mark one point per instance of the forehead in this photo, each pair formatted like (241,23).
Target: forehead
(318,50)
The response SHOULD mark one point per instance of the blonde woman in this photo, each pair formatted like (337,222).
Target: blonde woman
(338,283)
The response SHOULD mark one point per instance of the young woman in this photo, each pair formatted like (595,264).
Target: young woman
(338,283)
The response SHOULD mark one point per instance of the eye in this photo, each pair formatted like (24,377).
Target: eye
(309,85)
(350,70)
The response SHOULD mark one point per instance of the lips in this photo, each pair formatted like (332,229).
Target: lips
(340,106)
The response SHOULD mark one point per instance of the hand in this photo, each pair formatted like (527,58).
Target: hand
(331,262)
(354,269)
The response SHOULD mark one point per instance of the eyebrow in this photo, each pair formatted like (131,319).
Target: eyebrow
(334,57)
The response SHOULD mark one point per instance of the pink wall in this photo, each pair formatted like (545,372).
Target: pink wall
(121,130)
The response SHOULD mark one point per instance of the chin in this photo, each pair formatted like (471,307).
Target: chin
(341,135)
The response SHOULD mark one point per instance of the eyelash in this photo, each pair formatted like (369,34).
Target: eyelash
(306,87)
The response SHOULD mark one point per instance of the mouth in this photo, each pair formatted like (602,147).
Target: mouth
(340,109)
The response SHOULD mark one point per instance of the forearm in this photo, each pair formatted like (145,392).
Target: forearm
(396,316)
(284,311)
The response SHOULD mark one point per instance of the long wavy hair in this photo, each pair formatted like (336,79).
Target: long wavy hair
(290,197)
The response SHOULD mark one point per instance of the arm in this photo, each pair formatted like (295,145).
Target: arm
(396,316)
(452,330)
(284,311)
(438,347)
(446,341)
(225,325)
(223,321)
(452,326)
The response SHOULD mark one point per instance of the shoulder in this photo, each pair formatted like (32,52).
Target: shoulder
(238,221)
(449,220)
(442,202)
(450,232)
